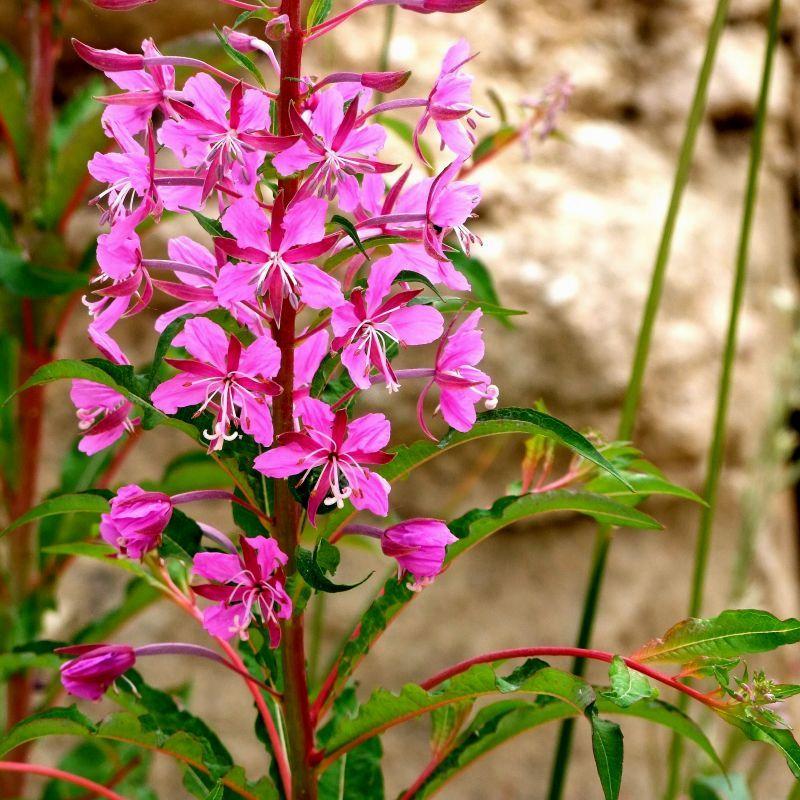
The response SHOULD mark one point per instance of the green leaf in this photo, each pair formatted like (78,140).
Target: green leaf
(213,227)
(116,377)
(241,59)
(454,305)
(643,485)
(87,503)
(350,230)
(100,551)
(53,722)
(719,787)
(181,537)
(162,348)
(731,634)
(779,738)
(486,146)
(362,778)
(477,273)
(22,278)
(607,750)
(385,709)
(474,526)
(446,722)
(318,12)
(312,566)
(371,243)
(501,421)
(499,722)
(627,685)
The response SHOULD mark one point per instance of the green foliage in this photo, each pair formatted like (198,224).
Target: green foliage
(318,12)
(240,59)
(20,277)
(84,503)
(315,567)
(729,635)
(627,685)
(607,750)
(719,787)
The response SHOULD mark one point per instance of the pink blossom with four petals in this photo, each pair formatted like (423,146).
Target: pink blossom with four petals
(344,450)
(244,587)
(231,381)
(419,546)
(136,520)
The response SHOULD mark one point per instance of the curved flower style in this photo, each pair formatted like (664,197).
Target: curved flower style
(136,521)
(274,260)
(103,415)
(450,105)
(95,668)
(229,380)
(460,384)
(339,148)
(341,449)
(226,138)
(419,547)
(369,323)
(244,587)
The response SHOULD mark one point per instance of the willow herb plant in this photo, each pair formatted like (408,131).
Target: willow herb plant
(315,265)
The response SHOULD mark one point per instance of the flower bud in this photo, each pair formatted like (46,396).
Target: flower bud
(385,82)
(419,547)
(445,6)
(120,5)
(136,520)
(96,667)
(277,28)
(243,42)
(108,60)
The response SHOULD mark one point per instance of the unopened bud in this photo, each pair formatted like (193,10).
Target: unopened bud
(444,6)
(108,60)
(120,5)
(385,82)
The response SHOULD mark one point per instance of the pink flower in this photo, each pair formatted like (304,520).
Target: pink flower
(370,322)
(450,204)
(136,521)
(145,90)
(245,586)
(226,138)
(450,105)
(198,281)
(341,449)
(460,384)
(103,415)
(419,546)
(405,256)
(307,359)
(337,145)
(225,378)
(275,260)
(96,667)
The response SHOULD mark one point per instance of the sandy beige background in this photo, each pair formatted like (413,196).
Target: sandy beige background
(570,235)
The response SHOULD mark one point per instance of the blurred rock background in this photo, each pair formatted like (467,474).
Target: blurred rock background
(570,234)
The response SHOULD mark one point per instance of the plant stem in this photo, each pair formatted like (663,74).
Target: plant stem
(716,450)
(633,392)
(59,775)
(299,728)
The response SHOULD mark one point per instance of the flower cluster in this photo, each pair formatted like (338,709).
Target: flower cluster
(318,268)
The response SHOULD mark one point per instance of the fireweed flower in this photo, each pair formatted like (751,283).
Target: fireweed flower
(274,260)
(461,385)
(198,280)
(231,381)
(370,322)
(342,450)
(450,105)
(103,415)
(450,204)
(94,668)
(419,547)
(244,587)
(144,90)
(226,138)
(307,359)
(339,148)
(136,521)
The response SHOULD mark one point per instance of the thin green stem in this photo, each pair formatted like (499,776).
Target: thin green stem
(716,451)
(633,393)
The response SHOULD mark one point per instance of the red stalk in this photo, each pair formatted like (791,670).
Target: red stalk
(60,775)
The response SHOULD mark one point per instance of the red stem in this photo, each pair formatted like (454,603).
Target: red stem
(324,759)
(60,775)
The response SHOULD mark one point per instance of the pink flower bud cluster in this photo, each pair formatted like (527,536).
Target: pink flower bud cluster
(209,146)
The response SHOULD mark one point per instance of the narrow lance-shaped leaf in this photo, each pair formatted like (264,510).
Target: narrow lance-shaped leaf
(731,634)
(87,503)
(607,750)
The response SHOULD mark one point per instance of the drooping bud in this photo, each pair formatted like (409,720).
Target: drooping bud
(95,668)
(108,60)
(277,28)
(385,82)
(243,42)
(136,520)
(120,5)
(419,547)
(443,6)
